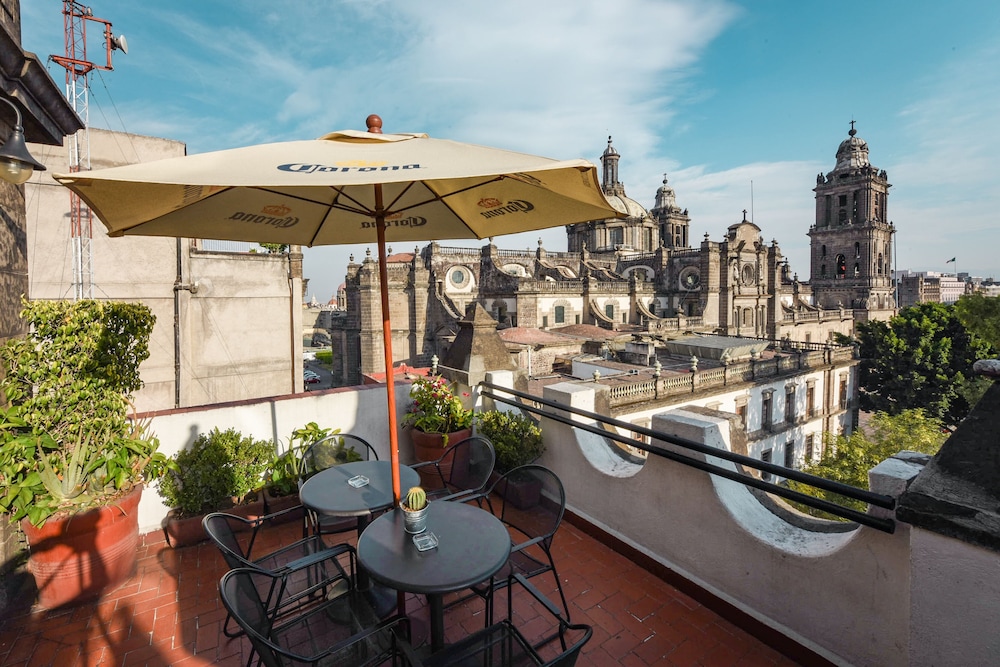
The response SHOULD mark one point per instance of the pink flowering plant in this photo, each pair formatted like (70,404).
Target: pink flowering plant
(436,408)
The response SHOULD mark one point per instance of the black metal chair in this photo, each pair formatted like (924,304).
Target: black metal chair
(343,630)
(325,453)
(503,644)
(463,470)
(531,501)
(312,570)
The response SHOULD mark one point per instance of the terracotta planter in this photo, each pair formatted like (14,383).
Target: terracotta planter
(184,531)
(523,493)
(274,504)
(430,447)
(181,531)
(78,557)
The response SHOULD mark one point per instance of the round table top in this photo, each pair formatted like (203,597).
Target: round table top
(328,492)
(472,545)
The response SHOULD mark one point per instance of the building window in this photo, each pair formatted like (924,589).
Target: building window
(842,200)
(790,405)
(560,314)
(766,402)
(617,236)
(609,310)
(790,454)
(741,411)
(811,400)
(765,456)
(841,266)
(857,250)
(822,251)
(545,321)
(843,392)
(577,318)
(857,269)
(810,440)
(822,270)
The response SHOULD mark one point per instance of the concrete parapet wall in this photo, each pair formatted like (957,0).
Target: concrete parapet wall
(359,410)
(843,595)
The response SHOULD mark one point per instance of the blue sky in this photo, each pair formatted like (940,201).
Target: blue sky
(715,94)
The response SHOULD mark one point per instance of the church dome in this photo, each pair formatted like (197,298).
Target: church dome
(629,207)
(666,198)
(852,152)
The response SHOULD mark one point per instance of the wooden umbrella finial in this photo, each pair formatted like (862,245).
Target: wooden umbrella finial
(374,123)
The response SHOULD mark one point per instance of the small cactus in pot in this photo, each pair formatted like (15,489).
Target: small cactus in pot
(416,498)
(414,508)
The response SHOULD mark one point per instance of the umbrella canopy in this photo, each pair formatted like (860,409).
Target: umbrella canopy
(343,188)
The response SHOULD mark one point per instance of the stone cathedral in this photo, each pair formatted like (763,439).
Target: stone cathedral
(639,274)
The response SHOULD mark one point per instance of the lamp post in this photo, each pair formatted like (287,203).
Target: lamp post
(16,163)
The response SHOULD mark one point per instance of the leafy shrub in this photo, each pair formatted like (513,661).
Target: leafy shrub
(515,436)
(289,467)
(219,467)
(66,441)
(324,356)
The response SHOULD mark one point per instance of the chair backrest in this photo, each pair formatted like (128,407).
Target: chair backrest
(221,529)
(238,589)
(533,501)
(336,449)
(468,464)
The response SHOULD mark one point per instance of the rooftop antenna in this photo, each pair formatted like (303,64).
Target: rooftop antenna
(78,69)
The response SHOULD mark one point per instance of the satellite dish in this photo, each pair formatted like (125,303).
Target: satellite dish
(119,43)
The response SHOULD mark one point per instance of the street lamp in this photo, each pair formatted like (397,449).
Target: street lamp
(16,163)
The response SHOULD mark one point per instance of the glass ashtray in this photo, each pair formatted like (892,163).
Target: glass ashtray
(425,541)
(358,481)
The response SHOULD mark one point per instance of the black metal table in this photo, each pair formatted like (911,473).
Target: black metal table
(472,546)
(328,492)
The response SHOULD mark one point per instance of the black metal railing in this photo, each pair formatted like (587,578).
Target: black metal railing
(887,525)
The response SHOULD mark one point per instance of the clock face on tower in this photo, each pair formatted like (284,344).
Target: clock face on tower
(690,278)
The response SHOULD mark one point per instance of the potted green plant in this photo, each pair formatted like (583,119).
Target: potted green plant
(221,470)
(288,469)
(72,462)
(414,507)
(517,441)
(436,417)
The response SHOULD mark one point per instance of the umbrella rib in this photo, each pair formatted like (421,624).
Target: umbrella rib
(439,197)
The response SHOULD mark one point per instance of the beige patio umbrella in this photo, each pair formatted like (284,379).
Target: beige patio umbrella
(344,188)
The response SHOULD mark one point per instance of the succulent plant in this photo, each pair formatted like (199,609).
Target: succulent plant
(416,498)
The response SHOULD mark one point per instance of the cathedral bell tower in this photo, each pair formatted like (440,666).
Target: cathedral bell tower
(673,222)
(851,240)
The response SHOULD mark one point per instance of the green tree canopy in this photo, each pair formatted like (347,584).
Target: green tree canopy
(848,459)
(922,358)
(981,315)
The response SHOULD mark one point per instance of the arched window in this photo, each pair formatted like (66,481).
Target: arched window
(841,266)
(822,251)
(822,270)
(857,269)
(857,250)
(880,264)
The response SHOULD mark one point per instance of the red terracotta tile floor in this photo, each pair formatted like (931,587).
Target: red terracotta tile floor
(169,613)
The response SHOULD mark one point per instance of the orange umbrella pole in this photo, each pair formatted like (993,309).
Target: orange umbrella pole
(390,378)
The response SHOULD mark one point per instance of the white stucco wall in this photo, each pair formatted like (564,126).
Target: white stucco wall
(843,595)
(240,336)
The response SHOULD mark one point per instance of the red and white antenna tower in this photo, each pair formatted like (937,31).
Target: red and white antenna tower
(78,69)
